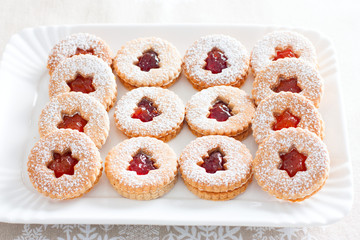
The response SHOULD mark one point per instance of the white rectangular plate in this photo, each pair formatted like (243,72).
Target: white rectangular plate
(23,94)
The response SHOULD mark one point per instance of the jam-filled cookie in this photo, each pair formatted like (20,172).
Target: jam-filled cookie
(289,75)
(151,112)
(216,167)
(76,111)
(220,110)
(281,44)
(292,164)
(64,164)
(148,62)
(216,60)
(86,74)
(142,168)
(78,44)
(285,110)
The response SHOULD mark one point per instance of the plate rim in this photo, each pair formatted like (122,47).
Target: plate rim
(11,218)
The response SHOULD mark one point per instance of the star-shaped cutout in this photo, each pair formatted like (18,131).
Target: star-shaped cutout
(75,122)
(62,164)
(292,162)
(285,120)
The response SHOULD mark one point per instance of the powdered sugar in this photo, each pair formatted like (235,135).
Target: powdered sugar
(308,79)
(86,171)
(67,48)
(237,61)
(169,105)
(277,103)
(88,66)
(97,127)
(278,182)
(264,50)
(237,156)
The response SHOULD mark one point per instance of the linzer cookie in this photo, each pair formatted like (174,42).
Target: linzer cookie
(64,164)
(216,167)
(289,75)
(86,74)
(285,110)
(281,44)
(220,110)
(151,112)
(142,168)
(292,164)
(147,62)
(216,60)
(76,111)
(79,44)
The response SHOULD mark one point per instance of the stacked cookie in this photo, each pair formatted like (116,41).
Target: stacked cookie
(216,167)
(142,168)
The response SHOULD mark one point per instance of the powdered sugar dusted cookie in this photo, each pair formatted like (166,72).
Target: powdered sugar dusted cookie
(289,75)
(220,110)
(216,60)
(76,111)
(150,111)
(79,44)
(64,164)
(292,164)
(216,167)
(281,44)
(148,62)
(142,168)
(87,74)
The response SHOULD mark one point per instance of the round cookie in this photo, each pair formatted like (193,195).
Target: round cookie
(150,111)
(87,74)
(293,75)
(79,44)
(148,62)
(141,168)
(215,60)
(64,164)
(284,110)
(292,164)
(220,110)
(281,44)
(216,167)
(76,111)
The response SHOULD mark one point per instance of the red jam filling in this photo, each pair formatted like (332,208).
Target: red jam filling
(286,53)
(287,85)
(81,84)
(285,120)
(292,162)
(62,164)
(75,122)
(145,111)
(148,60)
(216,61)
(82,51)
(141,164)
(215,162)
(220,111)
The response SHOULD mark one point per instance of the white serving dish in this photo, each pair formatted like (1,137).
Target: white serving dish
(23,94)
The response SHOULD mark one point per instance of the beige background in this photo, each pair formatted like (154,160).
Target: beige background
(337,19)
